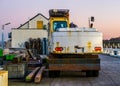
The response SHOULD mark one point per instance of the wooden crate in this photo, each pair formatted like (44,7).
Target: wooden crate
(3,78)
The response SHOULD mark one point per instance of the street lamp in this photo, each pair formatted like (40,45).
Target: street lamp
(3,26)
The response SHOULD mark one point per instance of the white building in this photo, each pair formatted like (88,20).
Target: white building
(37,22)
(36,27)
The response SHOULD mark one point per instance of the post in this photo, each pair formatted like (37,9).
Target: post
(2,37)
(89,22)
(3,26)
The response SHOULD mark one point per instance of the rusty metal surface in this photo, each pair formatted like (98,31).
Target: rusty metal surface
(74,67)
(109,76)
(72,55)
(74,63)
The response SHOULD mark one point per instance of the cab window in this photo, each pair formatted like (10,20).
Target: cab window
(59,24)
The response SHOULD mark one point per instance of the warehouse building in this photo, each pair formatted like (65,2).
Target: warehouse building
(36,27)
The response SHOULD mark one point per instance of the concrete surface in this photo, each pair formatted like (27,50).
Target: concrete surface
(109,76)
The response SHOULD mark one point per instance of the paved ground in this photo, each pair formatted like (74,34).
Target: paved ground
(109,76)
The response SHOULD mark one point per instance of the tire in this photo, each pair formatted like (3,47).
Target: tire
(57,73)
(96,73)
(54,74)
(51,74)
(92,73)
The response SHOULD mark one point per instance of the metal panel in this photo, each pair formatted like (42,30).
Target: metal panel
(77,41)
(81,63)
(16,70)
(20,36)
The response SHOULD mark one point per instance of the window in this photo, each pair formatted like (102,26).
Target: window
(59,24)
(39,24)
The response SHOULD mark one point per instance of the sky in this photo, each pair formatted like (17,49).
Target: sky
(106,13)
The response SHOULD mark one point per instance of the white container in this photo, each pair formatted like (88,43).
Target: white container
(85,41)
(19,36)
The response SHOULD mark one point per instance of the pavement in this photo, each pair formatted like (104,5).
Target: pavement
(109,76)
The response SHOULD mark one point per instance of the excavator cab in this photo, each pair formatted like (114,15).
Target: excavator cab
(59,18)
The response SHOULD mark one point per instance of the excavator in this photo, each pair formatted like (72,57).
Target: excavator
(72,48)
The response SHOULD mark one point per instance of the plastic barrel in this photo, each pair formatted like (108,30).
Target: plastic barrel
(115,52)
(45,46)
(10,57)
(1,61)
(1,53)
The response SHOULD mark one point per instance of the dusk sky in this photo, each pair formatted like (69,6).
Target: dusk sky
(106,13)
